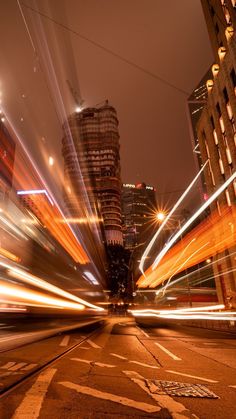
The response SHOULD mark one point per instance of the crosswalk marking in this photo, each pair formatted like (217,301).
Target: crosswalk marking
(29,367)
(8,365)
(17,366)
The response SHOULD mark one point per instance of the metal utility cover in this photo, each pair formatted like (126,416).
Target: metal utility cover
(175,388)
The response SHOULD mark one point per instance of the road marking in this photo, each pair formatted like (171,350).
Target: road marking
(233,386)
(17,366)
(144,365)
(81,360)
(97,364)
(192,376)
(173,356)
(100,364)
(29,367)
(65,340)
(142,331)
(83,347)
(176,409)
(31,405)
(118,356)
(210,343)
(148,408)
(94,345)
(8,365)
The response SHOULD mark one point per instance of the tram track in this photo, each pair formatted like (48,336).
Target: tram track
(8,388)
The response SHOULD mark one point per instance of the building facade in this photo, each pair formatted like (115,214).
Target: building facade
(216,131)
(92,167)
(138,209)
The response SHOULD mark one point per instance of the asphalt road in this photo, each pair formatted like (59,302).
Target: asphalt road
(121,371)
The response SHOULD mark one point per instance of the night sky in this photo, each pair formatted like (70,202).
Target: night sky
(166,38)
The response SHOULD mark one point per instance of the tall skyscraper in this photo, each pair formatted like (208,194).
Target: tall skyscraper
(92,166)
(138,209)
(216,130)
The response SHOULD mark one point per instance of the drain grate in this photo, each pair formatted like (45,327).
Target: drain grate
(174,388)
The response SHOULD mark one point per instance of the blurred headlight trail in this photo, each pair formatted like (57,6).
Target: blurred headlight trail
(212,236)
(40,283)
(15,294)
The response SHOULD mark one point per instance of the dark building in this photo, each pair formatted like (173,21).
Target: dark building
(92,167)
(7,156)
(138,210)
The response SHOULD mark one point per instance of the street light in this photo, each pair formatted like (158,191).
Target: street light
(160,216)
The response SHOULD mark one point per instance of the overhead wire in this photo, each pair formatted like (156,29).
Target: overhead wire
(109,51)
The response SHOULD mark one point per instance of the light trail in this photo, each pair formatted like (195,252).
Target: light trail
(213,235)
(27,296)
(150,245)
(40,283)
(192,219)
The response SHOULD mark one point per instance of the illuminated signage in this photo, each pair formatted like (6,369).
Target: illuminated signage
(128,185)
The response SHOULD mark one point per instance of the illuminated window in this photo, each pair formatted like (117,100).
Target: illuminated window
(222,125)
(228,154)
(229,110)
(228,198)
(222,170)
(215,137)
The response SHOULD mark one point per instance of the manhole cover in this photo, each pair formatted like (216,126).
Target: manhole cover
(174,388)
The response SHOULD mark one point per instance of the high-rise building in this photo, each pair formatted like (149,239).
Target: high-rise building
(7,156)
(216,130)
(138,209)
(92,167)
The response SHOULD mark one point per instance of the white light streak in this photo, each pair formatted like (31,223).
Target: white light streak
(148,248)
(193,218)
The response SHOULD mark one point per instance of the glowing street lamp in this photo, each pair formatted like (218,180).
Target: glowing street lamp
(51,161)
(160,216)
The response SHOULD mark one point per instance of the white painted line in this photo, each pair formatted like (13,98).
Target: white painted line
(192,376)
(8,365)
(210,343)
(31,405)
(28,367)
(176,409)
(148,408)
(142,331)
(17,366)
(233,386)
(173,356)
(144,365)
(65,340)
(97,364)
(94,345)
(100,364)
(118,356)
(83,347)
(81,360)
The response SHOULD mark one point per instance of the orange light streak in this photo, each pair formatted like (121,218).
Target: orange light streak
(212,236)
